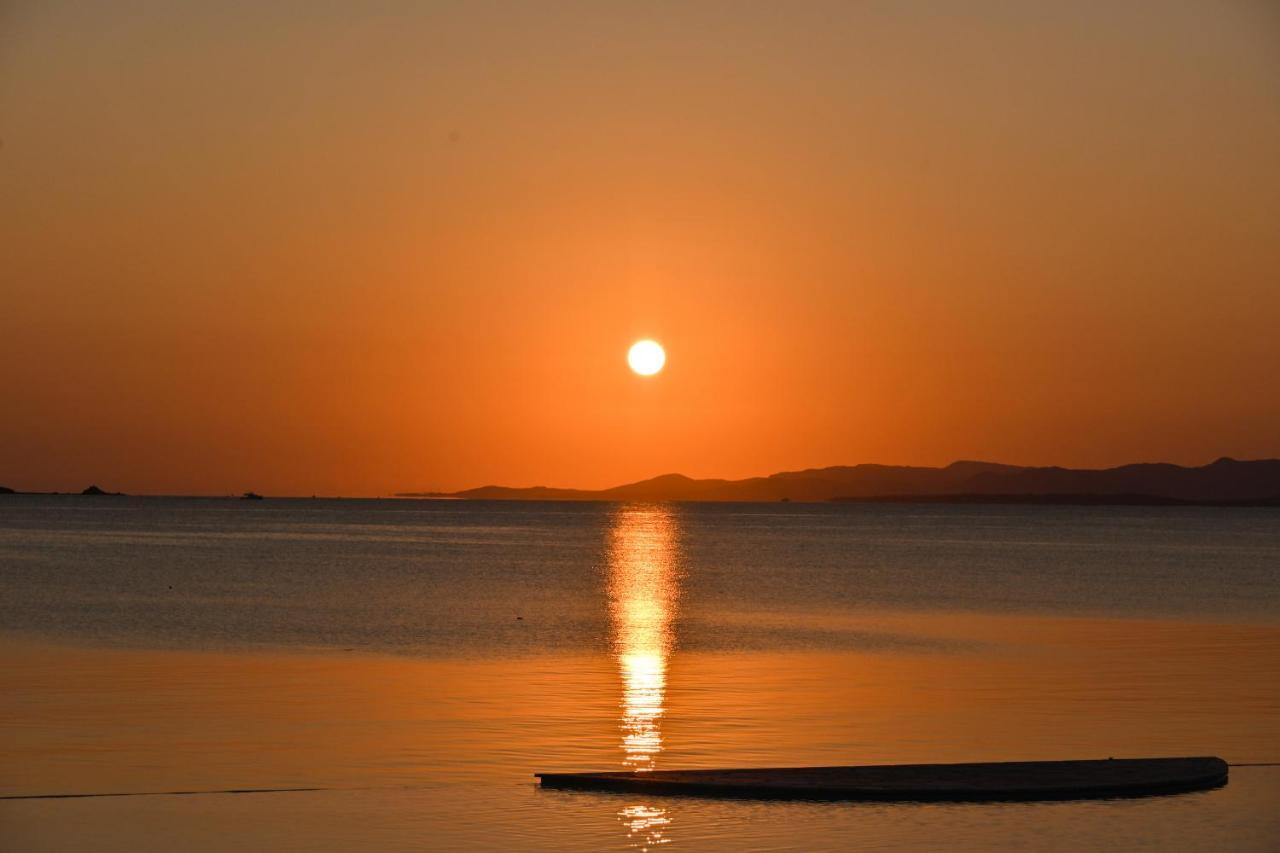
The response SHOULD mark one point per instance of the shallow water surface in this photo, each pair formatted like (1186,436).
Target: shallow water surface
(418,661)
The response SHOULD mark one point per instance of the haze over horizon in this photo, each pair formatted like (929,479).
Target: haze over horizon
(366,250)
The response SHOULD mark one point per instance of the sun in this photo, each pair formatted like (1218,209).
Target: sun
(646,357)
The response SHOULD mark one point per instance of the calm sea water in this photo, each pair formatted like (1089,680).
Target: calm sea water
(418,661)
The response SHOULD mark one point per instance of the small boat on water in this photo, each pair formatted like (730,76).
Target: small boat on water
(251,496)
(1009,780)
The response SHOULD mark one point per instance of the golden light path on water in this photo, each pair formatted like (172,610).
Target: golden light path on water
(643,581)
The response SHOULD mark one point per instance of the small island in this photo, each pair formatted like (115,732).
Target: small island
(95,491)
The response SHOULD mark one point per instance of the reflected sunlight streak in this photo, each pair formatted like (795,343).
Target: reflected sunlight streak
(643,590)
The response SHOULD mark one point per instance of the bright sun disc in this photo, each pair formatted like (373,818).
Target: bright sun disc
(646,357)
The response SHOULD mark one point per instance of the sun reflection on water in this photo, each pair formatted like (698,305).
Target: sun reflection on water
(646,825)
(643,591)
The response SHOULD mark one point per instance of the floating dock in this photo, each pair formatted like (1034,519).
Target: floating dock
(1014,780)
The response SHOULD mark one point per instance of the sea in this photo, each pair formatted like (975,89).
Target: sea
(333,675)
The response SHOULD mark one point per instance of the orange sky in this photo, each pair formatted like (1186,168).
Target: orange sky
(354,251)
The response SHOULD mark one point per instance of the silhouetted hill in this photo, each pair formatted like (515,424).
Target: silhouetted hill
(5,490)
(1060,500)
(1226,480)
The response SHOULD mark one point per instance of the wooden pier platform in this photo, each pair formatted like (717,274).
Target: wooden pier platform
(1015,780)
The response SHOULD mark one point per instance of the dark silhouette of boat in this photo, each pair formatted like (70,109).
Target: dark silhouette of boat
(251,496)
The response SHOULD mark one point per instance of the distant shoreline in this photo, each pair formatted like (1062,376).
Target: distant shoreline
(956,500)
(1224,482)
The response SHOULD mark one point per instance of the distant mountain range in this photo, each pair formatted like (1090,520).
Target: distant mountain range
(1223,481)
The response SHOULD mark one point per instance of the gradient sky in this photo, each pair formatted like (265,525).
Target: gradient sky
(362,248)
